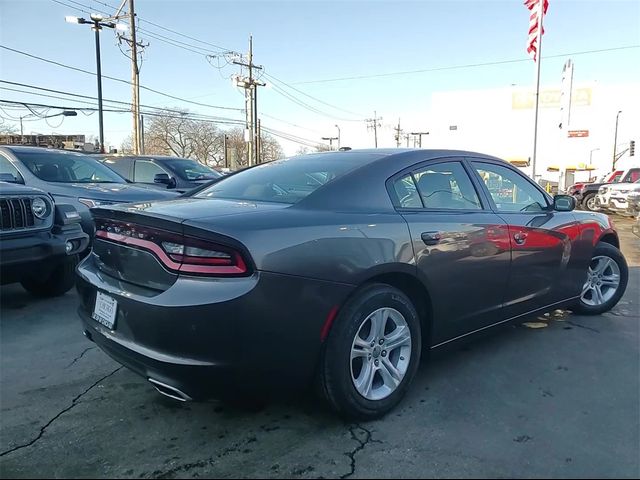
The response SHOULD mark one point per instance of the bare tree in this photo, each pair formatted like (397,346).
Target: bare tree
(302,151)
(271,148)
(237,147)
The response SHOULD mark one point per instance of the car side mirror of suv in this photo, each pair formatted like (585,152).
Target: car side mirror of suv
(564,203)
(165,179)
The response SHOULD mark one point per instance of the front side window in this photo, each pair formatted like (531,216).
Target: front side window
(66,167)
(510,191)
(190,169)
(8,172)
(446,186)
(146,171)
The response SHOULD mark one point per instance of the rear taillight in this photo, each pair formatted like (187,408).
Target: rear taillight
(177,253)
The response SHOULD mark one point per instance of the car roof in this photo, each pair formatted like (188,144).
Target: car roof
(24,148)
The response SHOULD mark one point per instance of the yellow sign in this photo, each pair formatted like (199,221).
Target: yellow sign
(581,97)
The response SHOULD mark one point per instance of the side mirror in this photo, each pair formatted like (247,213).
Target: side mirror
(164,179)
(564,203)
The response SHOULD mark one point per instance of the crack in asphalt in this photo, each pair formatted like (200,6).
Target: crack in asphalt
(361,445)
(210,461)
(74,402)
(582,326)
(80,356)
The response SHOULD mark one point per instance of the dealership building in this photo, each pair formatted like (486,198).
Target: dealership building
(574,143)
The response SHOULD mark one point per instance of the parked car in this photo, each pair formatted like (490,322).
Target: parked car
(613,197)
(39,241)
(72,178)
(633,203)
(252,286)
(179,174)
(587,194)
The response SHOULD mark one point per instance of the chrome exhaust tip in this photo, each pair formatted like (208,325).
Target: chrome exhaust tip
(169,391)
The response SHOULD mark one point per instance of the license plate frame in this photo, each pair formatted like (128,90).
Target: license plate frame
(105,310)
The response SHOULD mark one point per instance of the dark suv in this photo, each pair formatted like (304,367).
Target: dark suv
(178,174)
(40,241)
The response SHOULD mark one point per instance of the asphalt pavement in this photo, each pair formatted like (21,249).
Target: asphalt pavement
(561,400)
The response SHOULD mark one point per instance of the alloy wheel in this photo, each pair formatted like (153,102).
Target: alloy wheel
(591,204)
(603,280)
(380,354)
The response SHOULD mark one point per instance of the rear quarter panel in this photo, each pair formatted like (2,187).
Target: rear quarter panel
(339,247)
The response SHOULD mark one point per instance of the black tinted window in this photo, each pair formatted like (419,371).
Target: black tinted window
(285,181)
(190,169)
(66,167)
(122,166)
(447,186)
(510,191)
(145,171)
(8,171)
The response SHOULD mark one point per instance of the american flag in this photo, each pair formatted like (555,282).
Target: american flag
(534,23)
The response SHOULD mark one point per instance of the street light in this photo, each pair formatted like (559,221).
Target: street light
(615,141)
(338,136)
(96,24)
(64,113)
(591,155)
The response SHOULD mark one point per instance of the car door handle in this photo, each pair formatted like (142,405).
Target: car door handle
(520,237)
(431,238)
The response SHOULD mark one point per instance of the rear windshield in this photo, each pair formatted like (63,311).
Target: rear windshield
(285,181)
(66,167)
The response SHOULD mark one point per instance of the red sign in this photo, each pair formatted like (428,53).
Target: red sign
(578,133)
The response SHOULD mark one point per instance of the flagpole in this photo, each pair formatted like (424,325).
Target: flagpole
(538,62)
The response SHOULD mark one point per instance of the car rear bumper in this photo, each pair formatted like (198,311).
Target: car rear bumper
(212,337)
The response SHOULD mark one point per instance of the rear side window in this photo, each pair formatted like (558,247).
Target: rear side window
(121,166)
(285,181)
(446,186)
(632,176)
(406,192)
(146,171)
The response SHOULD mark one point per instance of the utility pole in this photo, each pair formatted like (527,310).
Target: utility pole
(135,81)
(374,123)
(615,142)
(226,160)
(259,141)
(398,134)
(407,136)
(419,135)
(251,101)
(338,136)
(142,134)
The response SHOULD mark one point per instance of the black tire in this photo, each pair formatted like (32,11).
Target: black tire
(585,202)
(606,250)
(334,374)
(60,281)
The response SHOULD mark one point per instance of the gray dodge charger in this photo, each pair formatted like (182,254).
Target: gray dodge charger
(338,269)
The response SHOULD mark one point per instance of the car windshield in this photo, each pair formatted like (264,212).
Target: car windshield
(284,181)
(191,169)
(67,167)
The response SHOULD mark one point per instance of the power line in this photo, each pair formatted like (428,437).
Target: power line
(312,97)
(170,30)
(187,116)
(311,108)
(469,65)
(74,94)
(118,80)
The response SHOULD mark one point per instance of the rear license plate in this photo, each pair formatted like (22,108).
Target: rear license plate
(105,310)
